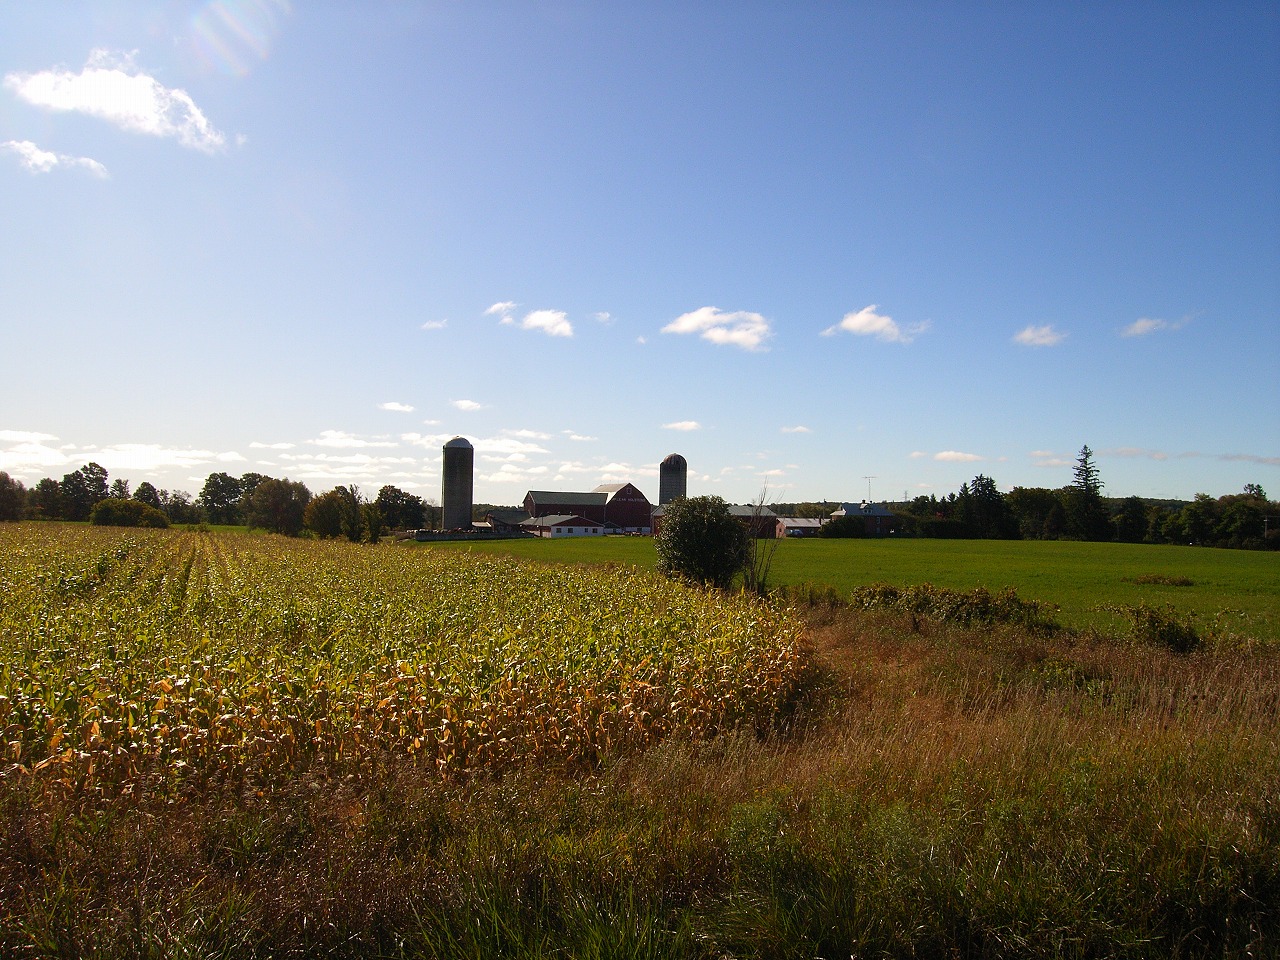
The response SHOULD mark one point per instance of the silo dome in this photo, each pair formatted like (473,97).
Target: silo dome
(672,478)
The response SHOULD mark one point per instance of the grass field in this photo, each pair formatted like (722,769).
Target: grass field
(1235,592)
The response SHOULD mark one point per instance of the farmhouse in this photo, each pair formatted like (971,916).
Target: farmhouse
(566,525)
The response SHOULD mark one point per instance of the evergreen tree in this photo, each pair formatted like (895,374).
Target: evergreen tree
(1082,501)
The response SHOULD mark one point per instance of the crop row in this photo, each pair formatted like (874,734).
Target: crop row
(158,661)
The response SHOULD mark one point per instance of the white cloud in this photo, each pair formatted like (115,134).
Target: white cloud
(435,324)
(43,161)
(25,436)
(918,454)
(867,323)
(683,425)
(1033,336)
(796,429)
(395,407)
(578,437)
(1147,325)
(603,317)
(551,322)
(113,89)
(431,441)
(641,341)
(740,329)
(255,445)
(339,438)
(955,456)
(527,434)
(467,405)
(507,445)
(502,310)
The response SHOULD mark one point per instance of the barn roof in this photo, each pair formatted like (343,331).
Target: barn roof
(560,520)
(561,496)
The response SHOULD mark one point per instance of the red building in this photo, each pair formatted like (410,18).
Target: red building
(619,507)
(626,508)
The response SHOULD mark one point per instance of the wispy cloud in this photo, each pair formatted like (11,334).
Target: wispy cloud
(578,437)
(112,88)
(1147,325)
(503,310)
(44,161)
(527,434)
(867,323)
(340,438)
(257,445)
(435,324)
(684,425)
(1033,336)
(603,317)
(796,429)
(740,329)
(395,407)
(467,406)
(956,456)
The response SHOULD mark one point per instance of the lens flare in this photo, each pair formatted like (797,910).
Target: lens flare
(234,35)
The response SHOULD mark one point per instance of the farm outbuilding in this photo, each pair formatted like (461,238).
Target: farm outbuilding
(878,520)
(800,526)
(760,522)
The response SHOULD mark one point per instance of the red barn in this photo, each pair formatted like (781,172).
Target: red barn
(626,508)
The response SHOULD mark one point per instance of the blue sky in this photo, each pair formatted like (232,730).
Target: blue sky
(801,244)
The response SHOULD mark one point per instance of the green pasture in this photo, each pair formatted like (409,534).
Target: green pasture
(1232,591)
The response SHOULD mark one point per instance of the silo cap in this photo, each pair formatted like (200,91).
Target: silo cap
(458,442)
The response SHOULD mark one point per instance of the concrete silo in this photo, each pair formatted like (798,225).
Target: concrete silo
(459,464)
(673,475)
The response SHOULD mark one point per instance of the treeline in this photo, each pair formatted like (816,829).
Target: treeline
(1079,511)
(253,500)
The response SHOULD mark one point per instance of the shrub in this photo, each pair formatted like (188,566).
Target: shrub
(1161,627)
(700,541)
(977,607)
(118,512)
(1163,580)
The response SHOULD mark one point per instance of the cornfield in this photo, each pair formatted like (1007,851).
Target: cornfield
(159,662)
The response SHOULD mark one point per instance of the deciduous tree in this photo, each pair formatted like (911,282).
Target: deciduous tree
(13,498)
(220,498)
(81,489)
(278,505)
(699,540)
(148,494)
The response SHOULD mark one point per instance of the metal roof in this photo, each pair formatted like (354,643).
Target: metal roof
(560,496)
